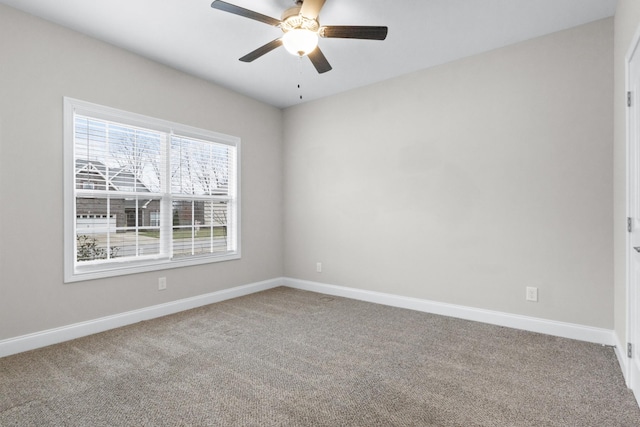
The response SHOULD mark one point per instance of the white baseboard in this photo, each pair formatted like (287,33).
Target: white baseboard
(549,327)
(77,330)
(65,333)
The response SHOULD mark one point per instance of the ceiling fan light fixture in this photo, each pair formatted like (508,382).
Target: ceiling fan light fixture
(301,30)
(300,41)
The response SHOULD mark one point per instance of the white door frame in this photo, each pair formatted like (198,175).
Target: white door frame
(631,373)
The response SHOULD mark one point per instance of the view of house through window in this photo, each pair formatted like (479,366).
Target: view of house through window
(146,194)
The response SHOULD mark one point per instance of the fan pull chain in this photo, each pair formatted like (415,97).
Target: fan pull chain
(299,77)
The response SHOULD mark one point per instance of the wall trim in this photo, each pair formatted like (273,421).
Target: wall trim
(621,354)
(631,290)
(532,324)
(77,330)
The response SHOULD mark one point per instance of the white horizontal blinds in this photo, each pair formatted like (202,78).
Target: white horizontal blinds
(136,155)
(118,183)
(202,189)
(200,168)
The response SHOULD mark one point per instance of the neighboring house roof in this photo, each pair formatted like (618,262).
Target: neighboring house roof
(95,173)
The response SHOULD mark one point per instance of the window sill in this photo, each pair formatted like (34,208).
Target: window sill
(98,271)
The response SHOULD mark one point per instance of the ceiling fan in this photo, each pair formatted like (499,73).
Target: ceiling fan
(301,31)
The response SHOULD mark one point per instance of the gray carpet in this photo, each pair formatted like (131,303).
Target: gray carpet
(293,358)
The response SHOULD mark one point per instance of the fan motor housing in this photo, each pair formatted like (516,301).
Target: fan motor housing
(292,20)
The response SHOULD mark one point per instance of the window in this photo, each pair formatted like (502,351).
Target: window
(144,194)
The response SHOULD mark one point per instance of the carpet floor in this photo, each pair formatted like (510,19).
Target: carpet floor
(287,357)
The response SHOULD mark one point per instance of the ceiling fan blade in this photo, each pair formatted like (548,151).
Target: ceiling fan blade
(311,8)
(319,61)
(353,32)
(237,10)
(261,50)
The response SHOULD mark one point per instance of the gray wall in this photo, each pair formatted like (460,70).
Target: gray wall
(466,182)
(627,22)
(463,183)
(39,64)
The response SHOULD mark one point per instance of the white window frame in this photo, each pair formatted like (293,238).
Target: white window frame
(73,271)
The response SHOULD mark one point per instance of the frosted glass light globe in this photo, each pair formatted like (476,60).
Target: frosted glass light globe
(300,42)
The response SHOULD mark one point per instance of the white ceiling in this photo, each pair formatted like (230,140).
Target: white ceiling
(191,36)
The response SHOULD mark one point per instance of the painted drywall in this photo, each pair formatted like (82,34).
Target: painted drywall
(40,64)
(465,183)
(627,22)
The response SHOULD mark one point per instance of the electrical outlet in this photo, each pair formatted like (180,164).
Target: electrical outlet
(162,283)
(319,267)
(532,293)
